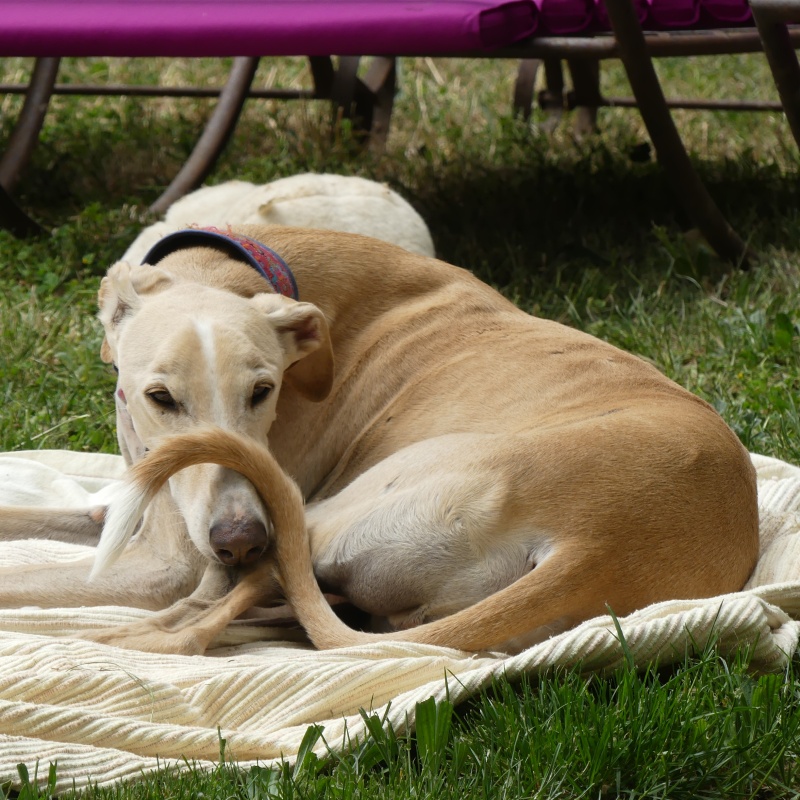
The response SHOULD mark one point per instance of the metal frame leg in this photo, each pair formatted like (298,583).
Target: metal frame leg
(551,99)
(525,86)
(343,88)
(381,82)
(21,143)
(585,96)
(771,17)
(323,73)
(672,154)
(29,123)
(215,136)
(367,102)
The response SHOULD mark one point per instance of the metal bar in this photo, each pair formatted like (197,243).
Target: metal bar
(323,73)
(660,44)
(551,99)
(343,89)
(215,136)
(525,86)
(26,131)
(381,82)
(700,206)
(88,90)
(787,10)
(585,94)
(379,73)
(693,104)
(769,17)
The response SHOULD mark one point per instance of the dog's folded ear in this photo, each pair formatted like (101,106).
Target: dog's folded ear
(120,297)
(306,341)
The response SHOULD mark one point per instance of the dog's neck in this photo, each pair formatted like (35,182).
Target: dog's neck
(361,284)
(352,279)
(265,261)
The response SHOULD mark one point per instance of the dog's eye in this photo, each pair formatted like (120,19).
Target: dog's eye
(161,397)
(260,393)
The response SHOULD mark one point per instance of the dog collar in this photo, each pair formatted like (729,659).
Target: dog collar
(260,257)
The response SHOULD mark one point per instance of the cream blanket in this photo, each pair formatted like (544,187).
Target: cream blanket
(105,714)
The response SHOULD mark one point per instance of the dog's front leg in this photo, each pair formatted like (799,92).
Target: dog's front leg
(189,626)
(72,525)
(158,567)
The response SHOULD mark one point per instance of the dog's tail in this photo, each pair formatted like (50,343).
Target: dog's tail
(279,493)
(511,612)
(123,515)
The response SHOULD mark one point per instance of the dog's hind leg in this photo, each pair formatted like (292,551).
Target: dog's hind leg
(72,525)
(490,541)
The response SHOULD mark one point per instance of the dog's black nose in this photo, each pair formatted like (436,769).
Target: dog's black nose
(238,542)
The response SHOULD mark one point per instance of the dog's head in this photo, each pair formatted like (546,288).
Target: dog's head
(189,355)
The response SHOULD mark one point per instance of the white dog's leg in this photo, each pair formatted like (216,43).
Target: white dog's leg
(159,566)
(138,580)
(73,525)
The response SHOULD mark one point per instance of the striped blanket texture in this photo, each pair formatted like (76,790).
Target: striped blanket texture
(105,714)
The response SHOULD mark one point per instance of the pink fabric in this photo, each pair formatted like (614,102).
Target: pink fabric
(259,27)
(675,13)
(571,17)
(320,27)
(565,17)
(737,11)
(642,10)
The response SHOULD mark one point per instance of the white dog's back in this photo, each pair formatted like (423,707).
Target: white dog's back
(310,200)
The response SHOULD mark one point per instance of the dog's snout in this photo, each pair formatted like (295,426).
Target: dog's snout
(238,542)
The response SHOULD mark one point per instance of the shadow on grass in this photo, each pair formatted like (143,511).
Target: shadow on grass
(531,212)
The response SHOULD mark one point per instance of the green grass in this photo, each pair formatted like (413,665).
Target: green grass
(707,729)
(577,231)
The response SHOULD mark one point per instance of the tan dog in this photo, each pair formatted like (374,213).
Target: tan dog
(452,450)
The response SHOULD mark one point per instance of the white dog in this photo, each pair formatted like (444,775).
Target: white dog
(328,202)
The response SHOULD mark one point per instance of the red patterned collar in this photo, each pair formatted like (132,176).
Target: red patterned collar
(265,261)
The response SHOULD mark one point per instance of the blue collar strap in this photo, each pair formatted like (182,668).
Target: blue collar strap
(263,260)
